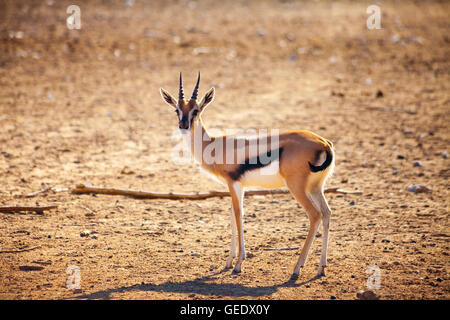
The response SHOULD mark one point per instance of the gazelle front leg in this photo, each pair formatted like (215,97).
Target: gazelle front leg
(237,197)
(233,252)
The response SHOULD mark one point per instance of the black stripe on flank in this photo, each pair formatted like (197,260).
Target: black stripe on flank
(256,163)
(324,165)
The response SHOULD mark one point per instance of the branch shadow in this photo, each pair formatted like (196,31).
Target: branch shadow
(201,286)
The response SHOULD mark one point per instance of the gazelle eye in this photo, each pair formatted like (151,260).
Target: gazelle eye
(177,111)
(195,112)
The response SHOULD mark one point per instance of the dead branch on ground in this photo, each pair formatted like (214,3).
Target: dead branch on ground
(19,250)
(39,210)
(33,194)
(83,189)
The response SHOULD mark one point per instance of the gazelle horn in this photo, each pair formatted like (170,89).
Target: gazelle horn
(181,93)
(195,93)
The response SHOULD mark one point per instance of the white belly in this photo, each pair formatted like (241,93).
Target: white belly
(267,177)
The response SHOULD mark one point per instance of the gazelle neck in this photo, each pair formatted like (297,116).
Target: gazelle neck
(199,128)
(197,139)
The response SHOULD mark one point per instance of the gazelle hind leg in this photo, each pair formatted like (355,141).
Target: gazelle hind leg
(322,205)
(298,189)
(233,252)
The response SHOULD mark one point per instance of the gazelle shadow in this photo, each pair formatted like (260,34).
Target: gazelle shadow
(201,286)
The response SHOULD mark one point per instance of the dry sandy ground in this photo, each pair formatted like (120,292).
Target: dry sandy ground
(84,106)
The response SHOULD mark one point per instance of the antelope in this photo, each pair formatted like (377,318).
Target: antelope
(299,160)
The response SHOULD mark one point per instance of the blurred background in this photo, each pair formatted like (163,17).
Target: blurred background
(83,105)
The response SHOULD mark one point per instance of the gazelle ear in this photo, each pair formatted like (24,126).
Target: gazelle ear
(207,99)
(168,98)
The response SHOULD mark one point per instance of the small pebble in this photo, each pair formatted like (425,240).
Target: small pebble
(367,295)
(444,155)
(333,59)
(417,164)
(261,32)
(85,233)
(421,136)
(418,189)
(395,38)
(290,37)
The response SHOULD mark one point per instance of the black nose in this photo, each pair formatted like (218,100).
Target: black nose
(184,124)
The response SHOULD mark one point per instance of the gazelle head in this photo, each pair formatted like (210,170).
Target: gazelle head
(187,111)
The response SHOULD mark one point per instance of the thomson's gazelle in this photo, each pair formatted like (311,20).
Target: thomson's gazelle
(299,160)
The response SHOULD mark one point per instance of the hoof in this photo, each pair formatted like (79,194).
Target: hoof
(321,272)
(236,271)
(229,263)
(296,273)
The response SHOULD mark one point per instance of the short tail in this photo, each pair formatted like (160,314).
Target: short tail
(325,164)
